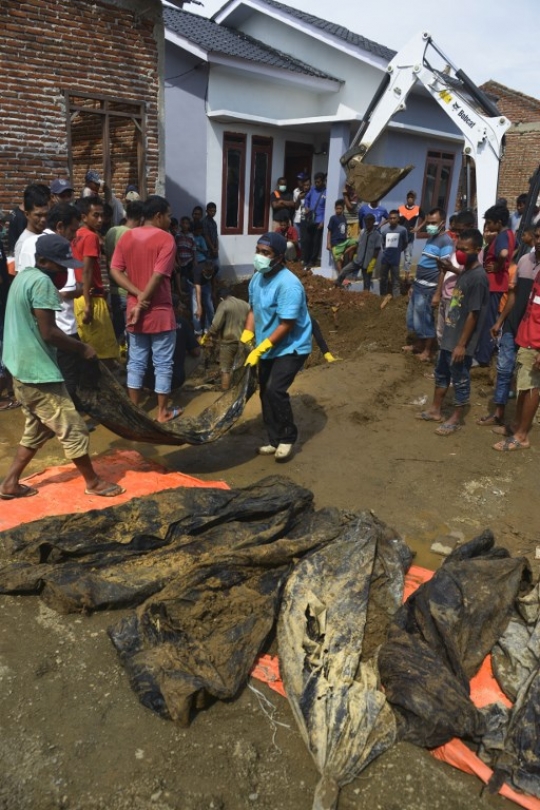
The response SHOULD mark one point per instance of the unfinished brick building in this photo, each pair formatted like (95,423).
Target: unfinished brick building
(522,153)
(81,90)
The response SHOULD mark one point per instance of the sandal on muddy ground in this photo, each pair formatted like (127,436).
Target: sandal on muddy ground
(447,429)
(489,420)
(510,444)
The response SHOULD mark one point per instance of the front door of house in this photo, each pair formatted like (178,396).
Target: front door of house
(298,158)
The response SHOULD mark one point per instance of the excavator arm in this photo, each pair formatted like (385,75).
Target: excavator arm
(472,112)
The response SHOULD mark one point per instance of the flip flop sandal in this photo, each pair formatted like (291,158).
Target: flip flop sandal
(10,405)
(26,492)
(489,421)
(510,445)
(447,429)
(175,413)
(424,416)
(110,491)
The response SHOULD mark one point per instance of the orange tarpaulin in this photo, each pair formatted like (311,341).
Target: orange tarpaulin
(484,690)
(61,489)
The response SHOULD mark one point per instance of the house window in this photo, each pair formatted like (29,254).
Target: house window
(106,134)
(234,162)
(261,171)
(437,180)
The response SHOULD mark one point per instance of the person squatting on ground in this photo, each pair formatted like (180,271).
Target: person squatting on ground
(31,340)
(227,326)
(505,330)
(369,247)
(290,233)
(420,318)
(464,322)
(143,264)
(279,322)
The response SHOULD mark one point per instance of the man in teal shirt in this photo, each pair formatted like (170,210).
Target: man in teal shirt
(31,338)
(280,323)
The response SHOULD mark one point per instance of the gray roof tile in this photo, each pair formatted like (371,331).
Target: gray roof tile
(220,39)
(335,30)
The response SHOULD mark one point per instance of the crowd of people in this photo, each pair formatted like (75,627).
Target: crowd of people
(97,276)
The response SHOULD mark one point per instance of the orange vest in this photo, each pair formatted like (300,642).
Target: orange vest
(409,213)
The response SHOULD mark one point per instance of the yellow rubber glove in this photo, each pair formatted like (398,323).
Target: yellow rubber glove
(255,355)
(247,336)
(203,339)
(371,266)
(329,357)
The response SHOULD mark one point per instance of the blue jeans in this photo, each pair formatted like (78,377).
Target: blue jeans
(161,346)
(207,305)
(506,362)
(457,373)
(420,318)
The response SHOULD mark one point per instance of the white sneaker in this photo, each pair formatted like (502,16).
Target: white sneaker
(266,450)
(284,452)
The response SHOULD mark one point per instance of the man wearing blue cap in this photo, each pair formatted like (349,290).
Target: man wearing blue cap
(62,191)
(31,340)
(279,323)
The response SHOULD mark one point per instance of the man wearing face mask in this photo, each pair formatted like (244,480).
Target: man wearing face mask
(283,205)
(31,340)
(420,317)
(464,322)
(280,324)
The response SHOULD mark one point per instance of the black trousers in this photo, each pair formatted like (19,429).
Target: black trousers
(311,246)
(275,379)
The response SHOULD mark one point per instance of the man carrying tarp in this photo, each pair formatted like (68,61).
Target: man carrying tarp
(31,339)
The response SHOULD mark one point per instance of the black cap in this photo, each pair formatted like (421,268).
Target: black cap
(55,248)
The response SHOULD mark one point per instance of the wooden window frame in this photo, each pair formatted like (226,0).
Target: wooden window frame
(236,140)
(138,116)
(260,144)
(436,157)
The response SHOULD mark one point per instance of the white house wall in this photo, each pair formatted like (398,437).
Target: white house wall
(361,79)
(236,251)
(186,126)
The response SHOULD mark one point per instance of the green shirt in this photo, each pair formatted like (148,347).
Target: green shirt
(25,353)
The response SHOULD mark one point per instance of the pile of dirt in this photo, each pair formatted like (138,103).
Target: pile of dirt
(349,320)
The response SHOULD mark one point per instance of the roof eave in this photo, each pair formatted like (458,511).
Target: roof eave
(315,83)
(323,36)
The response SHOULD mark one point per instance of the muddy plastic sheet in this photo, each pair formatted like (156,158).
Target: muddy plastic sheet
(440,638)
(516,662)
(336,608)
(108,403)
(61,489)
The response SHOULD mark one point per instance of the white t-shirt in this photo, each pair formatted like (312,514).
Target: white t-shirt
(65,319)
(300,210)
(25,250)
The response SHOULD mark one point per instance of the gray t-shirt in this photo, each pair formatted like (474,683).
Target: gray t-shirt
(368,243)
(471,294)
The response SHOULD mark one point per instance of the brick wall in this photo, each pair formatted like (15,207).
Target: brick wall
(522,153)
(81,46)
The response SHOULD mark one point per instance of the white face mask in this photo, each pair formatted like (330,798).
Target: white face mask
(282,188)
(432,230)
(262,264)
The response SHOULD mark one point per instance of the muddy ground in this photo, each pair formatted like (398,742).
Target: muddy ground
(73,734)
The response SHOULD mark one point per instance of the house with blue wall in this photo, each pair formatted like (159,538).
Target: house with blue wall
(263,90)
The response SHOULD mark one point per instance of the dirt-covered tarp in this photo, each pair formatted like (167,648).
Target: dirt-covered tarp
(337,606)
(204,572)
(107,402)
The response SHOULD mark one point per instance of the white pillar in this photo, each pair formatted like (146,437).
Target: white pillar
(335,183)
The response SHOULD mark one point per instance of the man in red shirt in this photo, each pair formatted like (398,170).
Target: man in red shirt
(143,263)
(94,323)
(290,233)
(528,367)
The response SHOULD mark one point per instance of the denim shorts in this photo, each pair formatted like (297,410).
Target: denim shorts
(420,318)
(160,347)
(459,374)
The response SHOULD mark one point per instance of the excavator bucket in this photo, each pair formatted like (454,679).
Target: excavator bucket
(374,182)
